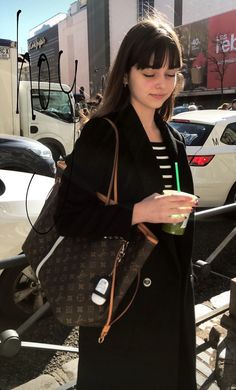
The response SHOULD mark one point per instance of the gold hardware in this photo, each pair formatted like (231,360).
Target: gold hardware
(101,339)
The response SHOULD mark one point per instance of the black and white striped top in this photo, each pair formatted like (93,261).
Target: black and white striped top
(164,163)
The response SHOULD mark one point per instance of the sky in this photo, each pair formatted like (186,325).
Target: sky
(33,13)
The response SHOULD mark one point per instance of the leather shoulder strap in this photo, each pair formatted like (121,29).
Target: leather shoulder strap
(113,180)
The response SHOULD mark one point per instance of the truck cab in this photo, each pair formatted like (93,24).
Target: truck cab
(40,111)
(48,117)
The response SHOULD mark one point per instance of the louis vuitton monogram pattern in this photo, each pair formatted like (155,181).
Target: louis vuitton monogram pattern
(71,273)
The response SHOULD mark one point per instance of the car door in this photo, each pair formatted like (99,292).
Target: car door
(14,223)
(228,155)
(219,173)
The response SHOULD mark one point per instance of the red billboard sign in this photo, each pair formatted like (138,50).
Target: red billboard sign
(222,50)
(209,48)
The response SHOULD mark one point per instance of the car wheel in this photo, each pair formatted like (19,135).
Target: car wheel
(20,293)
(231,198)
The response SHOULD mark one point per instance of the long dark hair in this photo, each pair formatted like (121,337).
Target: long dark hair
(148,38)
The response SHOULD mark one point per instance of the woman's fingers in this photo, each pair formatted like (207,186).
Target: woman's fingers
(181,210)
(180,199)
(158,208)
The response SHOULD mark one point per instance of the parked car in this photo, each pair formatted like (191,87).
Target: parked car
(20,292)
(25,155)
(179,109)
(210,136)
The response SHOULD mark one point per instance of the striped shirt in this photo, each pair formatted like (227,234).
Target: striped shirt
(164,163)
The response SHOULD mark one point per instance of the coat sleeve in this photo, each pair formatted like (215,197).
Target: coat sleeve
(89,167)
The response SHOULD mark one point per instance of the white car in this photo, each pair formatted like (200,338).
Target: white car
(14,223)
(20,292)
(210,136)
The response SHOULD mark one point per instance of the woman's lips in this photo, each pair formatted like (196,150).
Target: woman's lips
(157,96)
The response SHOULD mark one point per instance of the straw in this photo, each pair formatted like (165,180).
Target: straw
(177,176)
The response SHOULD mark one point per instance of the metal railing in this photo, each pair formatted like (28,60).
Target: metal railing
(204,266)
(204,269)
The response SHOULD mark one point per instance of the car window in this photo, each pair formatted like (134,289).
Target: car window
(195,134)
(229,135)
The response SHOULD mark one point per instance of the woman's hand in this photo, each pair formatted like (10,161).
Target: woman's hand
(158,208)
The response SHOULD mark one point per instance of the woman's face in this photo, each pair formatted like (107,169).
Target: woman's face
(150,88)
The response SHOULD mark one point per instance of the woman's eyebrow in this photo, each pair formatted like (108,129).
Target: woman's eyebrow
(151,67)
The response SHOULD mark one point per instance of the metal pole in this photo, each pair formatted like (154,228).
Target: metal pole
(214,211)
(32,319)
(222,245)
(51,347)
(15,261)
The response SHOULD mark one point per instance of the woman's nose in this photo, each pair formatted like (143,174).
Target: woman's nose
(159,81)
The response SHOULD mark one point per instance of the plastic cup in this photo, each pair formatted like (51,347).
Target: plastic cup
(179,227)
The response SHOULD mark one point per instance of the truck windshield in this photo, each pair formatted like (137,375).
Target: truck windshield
(59,106)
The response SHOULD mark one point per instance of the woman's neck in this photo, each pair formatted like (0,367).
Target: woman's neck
(147,119)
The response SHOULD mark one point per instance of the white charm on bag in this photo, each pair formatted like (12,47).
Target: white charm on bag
(100,293)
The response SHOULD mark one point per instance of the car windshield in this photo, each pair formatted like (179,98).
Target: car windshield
(195,134)
(179,109)
(59,105)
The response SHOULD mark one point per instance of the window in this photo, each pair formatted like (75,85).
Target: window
(59,105)
(144,7)
(229,135)
(195,134)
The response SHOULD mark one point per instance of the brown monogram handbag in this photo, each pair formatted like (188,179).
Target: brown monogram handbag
(85,280)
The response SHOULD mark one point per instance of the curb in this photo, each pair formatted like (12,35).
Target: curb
(61,378)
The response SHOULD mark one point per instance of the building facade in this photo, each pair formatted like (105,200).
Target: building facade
(44,43)
(209,49)
(195,10)
(73,41)
(93,30)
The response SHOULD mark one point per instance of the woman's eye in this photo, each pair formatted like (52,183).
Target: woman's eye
(170,75)
(148,75)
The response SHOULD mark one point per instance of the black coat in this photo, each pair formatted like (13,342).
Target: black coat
(153,346)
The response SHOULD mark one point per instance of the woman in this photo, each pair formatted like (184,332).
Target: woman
(152,346)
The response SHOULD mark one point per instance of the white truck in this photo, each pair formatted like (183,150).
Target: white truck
(54,126)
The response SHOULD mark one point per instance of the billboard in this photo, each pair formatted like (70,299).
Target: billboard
(209,51)
(222,50)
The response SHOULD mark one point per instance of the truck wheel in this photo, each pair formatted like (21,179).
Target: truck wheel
(56,154)
(20,293)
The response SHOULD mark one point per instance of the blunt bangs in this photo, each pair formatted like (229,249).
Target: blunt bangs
(158,53)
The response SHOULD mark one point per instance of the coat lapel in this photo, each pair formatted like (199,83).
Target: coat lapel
(140,148)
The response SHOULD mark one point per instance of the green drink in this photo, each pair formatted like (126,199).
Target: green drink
(175,228)
(179,227)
